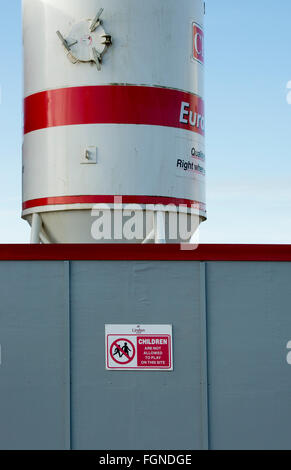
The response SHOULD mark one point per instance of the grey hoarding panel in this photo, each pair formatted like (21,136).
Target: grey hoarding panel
(33,373)
(249,324)
(135,410)
(247,306)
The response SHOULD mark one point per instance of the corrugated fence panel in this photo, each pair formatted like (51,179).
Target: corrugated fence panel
(34,365)
(135,410)
(249,325)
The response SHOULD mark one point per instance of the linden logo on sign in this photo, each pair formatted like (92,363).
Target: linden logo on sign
(139,348)
(198,43)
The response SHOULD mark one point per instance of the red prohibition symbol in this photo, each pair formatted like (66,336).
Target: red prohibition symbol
(122,351)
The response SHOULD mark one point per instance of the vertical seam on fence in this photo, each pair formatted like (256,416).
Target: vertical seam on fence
(204,359)
(68,414)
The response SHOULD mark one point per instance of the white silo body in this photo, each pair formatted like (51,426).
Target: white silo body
(104,120)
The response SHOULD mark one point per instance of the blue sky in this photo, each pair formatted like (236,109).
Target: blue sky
(248,140)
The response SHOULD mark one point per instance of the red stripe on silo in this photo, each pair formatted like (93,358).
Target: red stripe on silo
(111,104)
(110,199)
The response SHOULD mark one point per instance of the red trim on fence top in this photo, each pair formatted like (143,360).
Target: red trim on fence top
(145,252)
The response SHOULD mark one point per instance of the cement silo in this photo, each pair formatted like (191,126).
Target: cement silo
(113,118)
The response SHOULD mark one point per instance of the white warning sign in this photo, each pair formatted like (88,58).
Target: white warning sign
(139,347)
